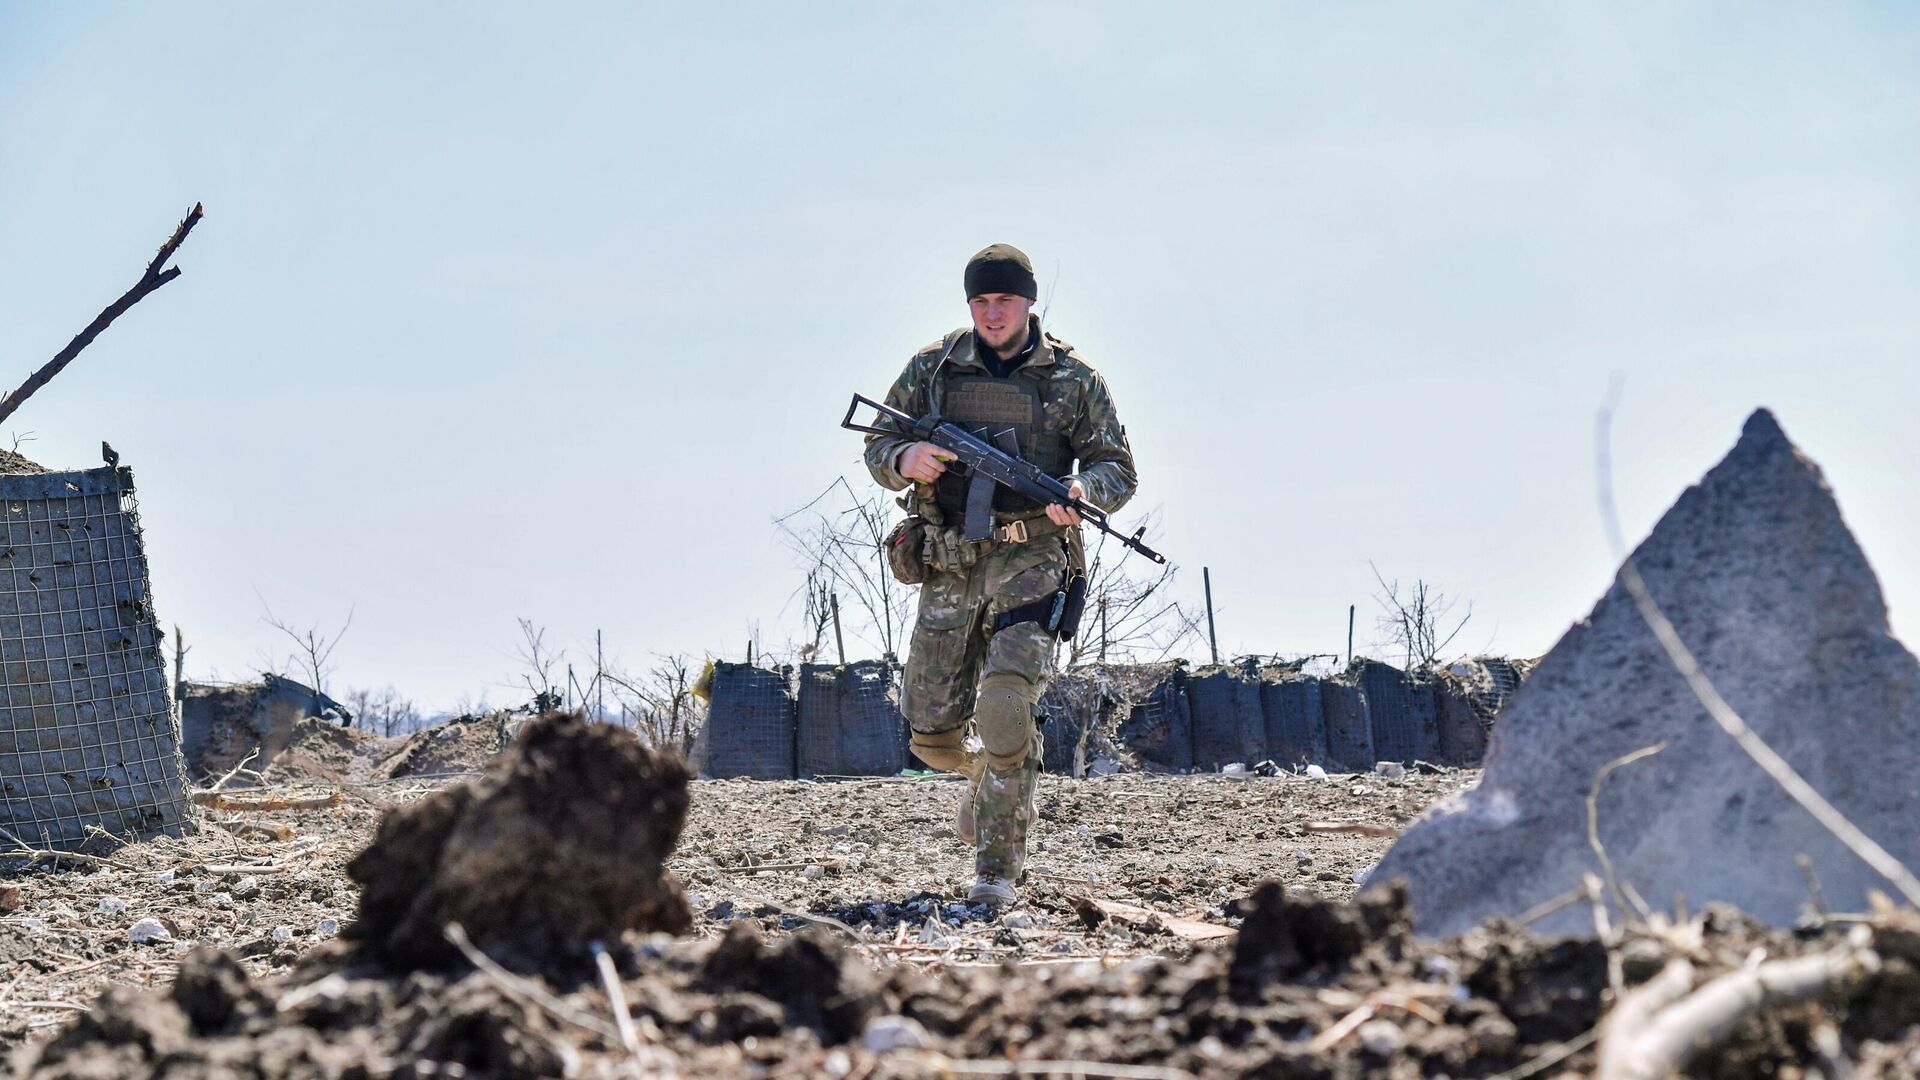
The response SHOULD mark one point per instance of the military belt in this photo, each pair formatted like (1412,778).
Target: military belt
(1021,530)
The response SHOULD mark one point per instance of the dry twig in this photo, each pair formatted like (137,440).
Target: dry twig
(214,800)
(525,989)
(1593,821)
(1643,1044)
(1090,1070)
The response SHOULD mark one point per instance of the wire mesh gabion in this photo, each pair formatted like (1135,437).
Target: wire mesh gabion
(848,721)
(89,747)
(750,723)
(1402,712)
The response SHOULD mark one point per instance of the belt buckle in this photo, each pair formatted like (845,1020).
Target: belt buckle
(1016,532)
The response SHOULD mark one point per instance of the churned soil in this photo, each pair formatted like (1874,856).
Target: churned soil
(13,463)
(1172,927)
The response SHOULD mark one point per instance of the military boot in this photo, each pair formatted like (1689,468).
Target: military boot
(1004,808)
(963,818)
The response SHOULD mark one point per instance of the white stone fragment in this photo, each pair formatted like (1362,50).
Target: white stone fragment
(112,905)
(148,930)
(1382,1038)
(887,1033)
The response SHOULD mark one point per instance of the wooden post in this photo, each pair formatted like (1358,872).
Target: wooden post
(839,642)
(1213,641)
(1350,608)
(1103,629)
(179,676)
(599,678)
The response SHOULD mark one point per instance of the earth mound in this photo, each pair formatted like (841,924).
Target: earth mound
(457,746)
(1313,989)
(562,842)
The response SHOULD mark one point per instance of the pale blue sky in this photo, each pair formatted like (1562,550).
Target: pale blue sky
(500,312)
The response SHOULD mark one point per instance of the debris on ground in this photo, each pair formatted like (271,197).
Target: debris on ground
(1312,988)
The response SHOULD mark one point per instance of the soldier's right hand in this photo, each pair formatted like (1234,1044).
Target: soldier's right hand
(923,462)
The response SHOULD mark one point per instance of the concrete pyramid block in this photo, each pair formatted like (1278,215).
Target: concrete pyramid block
(1766,585)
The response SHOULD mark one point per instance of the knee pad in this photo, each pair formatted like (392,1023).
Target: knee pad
(943,750)
(1003,711)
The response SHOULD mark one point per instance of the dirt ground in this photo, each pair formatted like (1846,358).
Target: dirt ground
(881,854)
(1170,929)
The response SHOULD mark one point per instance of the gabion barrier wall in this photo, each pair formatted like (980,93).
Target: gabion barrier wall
(1402,712)
(848,721)
(1296,729)
(1349,731)
(1160,715)
(750,724)
(1159,728)
(89,748)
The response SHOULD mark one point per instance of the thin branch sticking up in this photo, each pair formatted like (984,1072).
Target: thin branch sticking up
(158,273)
(1763,755)
(1593,824)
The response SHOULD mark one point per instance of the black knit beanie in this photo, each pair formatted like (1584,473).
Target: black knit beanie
(1001,268)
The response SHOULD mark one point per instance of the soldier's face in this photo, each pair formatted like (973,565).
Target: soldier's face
(998,318)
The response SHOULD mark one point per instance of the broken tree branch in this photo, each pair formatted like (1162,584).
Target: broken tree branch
(1673,1036)
(215,800)
(156,275)
(1723,714)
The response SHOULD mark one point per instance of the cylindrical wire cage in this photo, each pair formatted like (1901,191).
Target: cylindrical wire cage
(89,746)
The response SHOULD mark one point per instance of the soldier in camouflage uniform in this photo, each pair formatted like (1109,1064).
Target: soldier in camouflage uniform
(979,653)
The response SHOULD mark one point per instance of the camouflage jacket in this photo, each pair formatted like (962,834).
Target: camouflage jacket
(1074,400)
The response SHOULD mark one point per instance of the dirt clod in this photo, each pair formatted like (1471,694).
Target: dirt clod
(561,843)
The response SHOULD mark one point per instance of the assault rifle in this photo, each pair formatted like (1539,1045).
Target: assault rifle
(987,462)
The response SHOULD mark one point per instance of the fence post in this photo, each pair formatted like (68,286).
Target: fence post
(1213,642)
(1350,608)
(1103,629)
(839,642)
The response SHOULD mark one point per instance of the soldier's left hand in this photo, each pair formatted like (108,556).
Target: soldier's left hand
(1061,514)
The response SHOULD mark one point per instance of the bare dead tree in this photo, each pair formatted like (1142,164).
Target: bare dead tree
(384,712)
(820,603)
(664,708)
(313,653)
(1418,622)
(840,539)
(539,661)
(157,273)
(1131,615)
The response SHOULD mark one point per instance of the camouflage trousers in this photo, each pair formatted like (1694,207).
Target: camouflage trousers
(960,672)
